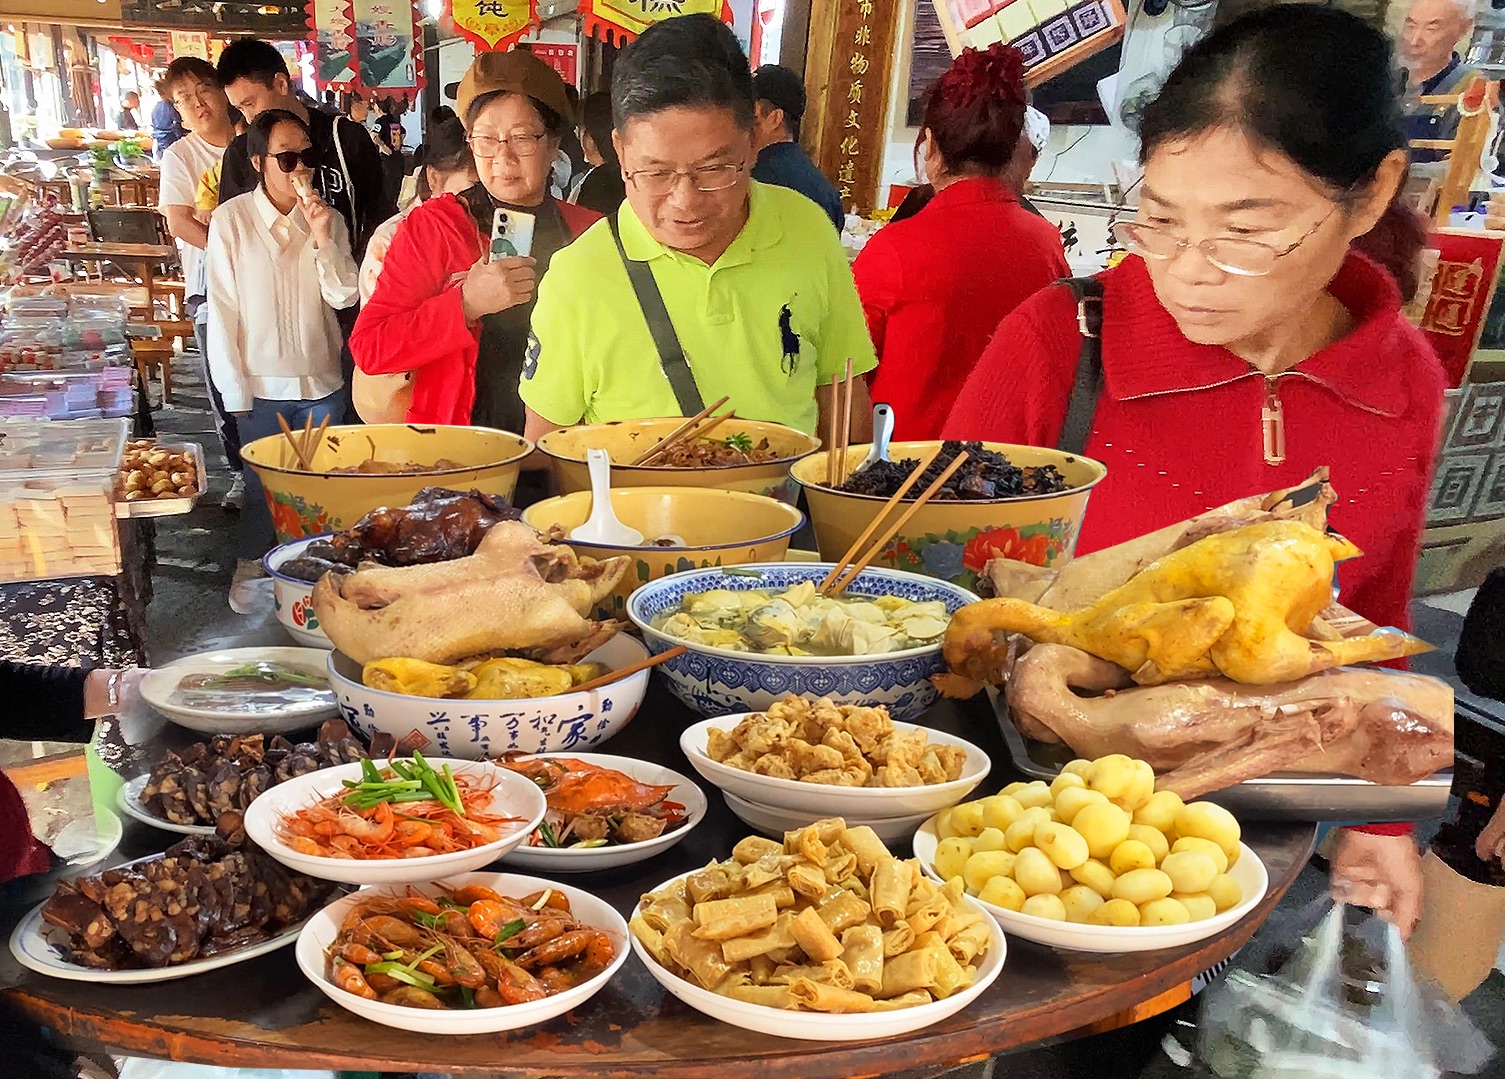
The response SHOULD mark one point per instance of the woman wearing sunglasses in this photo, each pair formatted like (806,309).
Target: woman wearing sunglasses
(1243,342)
(279,266)
(445,310)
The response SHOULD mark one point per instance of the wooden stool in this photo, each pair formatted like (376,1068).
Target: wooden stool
(156,356)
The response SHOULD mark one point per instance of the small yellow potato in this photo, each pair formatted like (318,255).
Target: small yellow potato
(1095,875)
(989,839)
(1190,870)
(966,819)
(1002,892)
(1079,767)
(951,855)
(1073,800)
(1061,843)
(1204,846)
(1130,855)
(1163,912)
(1035,873)
(1119,912)
(1080,902)
(1104,826)
(1065,781)
(1021,834)
(1000,811)
(1014,788)
(1111,775)
(1140,788)
(1045,906)
(1034,794)
(1041,814)
(1142,886)
(1153,838)
(1199,905)
(1160,811)
(943,828)
(1067,880)
(1226,892)
(1206,820)
(984,866)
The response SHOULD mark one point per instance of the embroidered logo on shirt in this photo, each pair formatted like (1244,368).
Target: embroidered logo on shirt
(789,340)
(530,361)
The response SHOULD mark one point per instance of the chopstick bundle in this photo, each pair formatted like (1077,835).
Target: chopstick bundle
(287,433)
(306,442)
(846,425)
(676,436)
(831,429)
(867,533)
(841,578)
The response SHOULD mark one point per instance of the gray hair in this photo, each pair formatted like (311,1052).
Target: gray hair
(691,61)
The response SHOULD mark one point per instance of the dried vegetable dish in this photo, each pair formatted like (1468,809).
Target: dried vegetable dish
(197,784)
(738,449)
(841,745)
(591,806)
(470,948)
(985,476)
(204,896)
(494,678)
(406,810)
(827,921)
(800,621)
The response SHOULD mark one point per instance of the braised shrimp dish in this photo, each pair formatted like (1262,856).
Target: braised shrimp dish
(591,806)
(469,948)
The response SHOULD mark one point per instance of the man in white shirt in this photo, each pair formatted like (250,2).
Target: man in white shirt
(194,90)
(279,267)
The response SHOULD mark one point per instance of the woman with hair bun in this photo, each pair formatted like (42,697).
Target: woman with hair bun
(935,286)
(1246,341)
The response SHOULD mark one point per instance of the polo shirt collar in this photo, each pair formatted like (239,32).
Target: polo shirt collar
(1146,354)
(270,215)
(763,230)
(973,190)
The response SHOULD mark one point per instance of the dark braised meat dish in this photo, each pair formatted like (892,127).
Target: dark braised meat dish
(205,780)
(985,475)
(203,896)
(438,526)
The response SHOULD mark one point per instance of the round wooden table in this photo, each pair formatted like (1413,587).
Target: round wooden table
(262,1013)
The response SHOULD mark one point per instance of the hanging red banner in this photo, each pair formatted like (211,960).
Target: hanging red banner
(620,21)
(332,30)
(564,59)
(492,25)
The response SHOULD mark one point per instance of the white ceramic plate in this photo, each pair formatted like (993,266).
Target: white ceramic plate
(511,796)
(817,1026)
(583,860)
(128,801)
(320,930)
(829,801)
(159,689)
(1249,871)
(89,840)
(775,822)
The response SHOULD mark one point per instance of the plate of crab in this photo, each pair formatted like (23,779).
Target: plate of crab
(603,811)
(474,953)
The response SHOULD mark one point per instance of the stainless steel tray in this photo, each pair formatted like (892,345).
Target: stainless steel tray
(169,507)
(1283,796)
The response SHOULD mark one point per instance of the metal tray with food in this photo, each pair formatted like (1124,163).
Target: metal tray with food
(1282,796)
(181,459)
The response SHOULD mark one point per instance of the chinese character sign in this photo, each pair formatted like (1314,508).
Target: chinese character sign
(333,28)
(852,133)
(621,21)
(1467,272)
(492,24)
(190,43)
(384,44)
(564,59)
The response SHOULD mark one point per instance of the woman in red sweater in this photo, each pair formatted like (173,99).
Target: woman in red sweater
(1243,342)
(935,285)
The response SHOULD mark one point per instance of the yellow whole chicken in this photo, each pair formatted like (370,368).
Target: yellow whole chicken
(1235,603)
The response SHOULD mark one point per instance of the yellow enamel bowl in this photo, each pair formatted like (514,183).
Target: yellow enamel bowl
(954,540)
(308,503)
(626,440)
(720,528)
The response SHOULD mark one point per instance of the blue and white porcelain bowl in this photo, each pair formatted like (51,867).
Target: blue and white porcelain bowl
(719,681)
(569,722)
(293,598)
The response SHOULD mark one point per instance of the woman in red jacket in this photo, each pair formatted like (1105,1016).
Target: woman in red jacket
(442,309)
(1243,343)
(936,285)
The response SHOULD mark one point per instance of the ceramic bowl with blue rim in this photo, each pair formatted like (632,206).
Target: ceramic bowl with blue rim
(470,729)
(292,598)
(719,681)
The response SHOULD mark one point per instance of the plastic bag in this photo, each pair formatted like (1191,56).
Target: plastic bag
(1344,1007)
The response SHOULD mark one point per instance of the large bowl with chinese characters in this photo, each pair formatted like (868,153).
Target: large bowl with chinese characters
(470,729)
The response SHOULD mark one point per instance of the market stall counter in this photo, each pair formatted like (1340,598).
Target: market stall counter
(263,1013)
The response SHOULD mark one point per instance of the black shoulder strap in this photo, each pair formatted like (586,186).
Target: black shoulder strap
(671,356)
(1088,385)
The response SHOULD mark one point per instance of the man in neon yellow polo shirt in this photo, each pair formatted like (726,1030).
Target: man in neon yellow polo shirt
(760,302)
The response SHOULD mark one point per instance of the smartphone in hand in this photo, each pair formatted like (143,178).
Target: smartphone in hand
(512,234)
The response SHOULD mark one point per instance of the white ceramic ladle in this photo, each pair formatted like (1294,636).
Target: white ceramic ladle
(602,526)
(883,433)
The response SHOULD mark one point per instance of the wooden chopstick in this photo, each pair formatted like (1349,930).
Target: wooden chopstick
(846,425)
(308,430)
(631,669)
(714,422)
(889,533)
(898,496)
(831,436)
(287,433)
(676,435)
(318,441)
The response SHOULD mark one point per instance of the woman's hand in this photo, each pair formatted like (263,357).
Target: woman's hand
(1381,872)
(1490,846)
(318,215)
(497,285)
